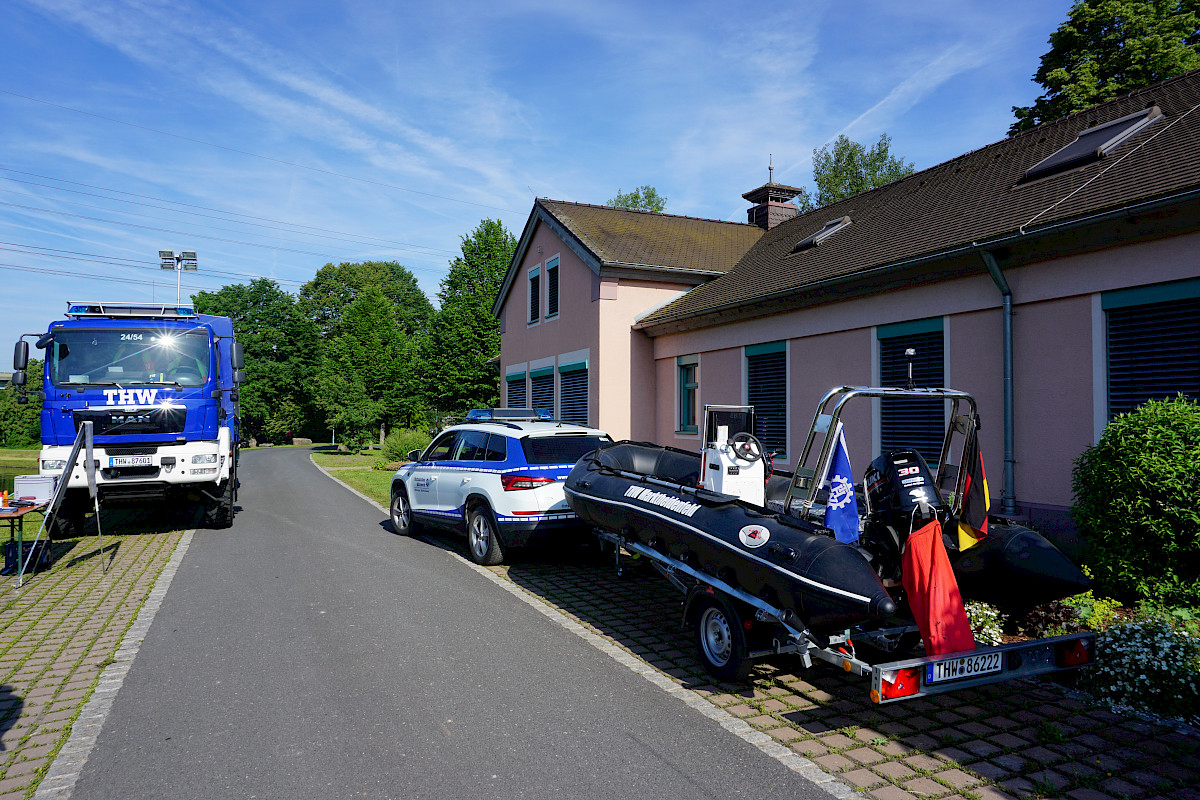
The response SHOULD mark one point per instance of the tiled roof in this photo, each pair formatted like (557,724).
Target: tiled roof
(975,198)
(643,238)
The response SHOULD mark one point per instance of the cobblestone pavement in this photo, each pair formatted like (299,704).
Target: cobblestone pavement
(59,632)
(1012,740)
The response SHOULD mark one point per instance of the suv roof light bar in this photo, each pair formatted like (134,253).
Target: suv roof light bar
(510,415)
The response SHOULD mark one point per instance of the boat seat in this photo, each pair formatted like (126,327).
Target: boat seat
(643,458)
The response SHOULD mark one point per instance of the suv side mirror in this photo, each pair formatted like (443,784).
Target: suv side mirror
(414,455)
(21,355)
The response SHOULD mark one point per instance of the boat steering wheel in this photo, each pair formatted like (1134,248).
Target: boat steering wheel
(746,447)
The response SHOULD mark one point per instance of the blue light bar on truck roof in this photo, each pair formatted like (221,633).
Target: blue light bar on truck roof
(77,309)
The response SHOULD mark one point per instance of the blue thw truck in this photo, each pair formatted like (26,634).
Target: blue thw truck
(159,383)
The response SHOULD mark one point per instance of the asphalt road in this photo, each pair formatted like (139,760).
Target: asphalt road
(308,652)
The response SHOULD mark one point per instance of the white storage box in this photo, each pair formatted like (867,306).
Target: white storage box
(38,488)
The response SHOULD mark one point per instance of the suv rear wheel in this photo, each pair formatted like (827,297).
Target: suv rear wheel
(483,538)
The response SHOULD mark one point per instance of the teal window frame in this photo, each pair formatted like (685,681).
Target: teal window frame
(688,371)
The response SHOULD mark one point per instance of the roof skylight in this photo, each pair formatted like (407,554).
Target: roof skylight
(831,227)
(1094,143)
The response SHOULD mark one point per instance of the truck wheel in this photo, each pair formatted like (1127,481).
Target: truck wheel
(483,538)
(67,524)
(400,513)
(219,514)
(720,640)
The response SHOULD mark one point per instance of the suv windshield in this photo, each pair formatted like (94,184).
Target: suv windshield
(112,356)
(541,450)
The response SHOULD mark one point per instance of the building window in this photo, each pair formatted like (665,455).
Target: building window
(1153,337)
(535,295)
(688,367)
(552,287)
(516,390)
(573,392)
(766,390)
(541,388)
(907,424)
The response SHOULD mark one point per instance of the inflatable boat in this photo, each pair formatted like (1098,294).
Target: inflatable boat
(649,493)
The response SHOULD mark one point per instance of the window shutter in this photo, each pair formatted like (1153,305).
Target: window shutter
(1153,353)
(516,392)
(541,390)
(535,296)
(552,289)
(573,396)
(766,390)
(913,424)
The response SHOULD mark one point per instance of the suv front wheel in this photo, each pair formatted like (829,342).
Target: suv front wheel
(483,538)
(400,513)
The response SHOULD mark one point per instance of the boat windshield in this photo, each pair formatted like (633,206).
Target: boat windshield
(123,357)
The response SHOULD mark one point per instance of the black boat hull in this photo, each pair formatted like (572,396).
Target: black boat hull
(1015,567)
(792,564)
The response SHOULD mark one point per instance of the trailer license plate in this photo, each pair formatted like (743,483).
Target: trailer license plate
(129,461)
(965,667)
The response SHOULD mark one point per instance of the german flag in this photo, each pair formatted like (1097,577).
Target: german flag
(972,520)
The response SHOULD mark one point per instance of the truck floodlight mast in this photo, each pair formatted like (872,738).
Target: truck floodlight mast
(159,383)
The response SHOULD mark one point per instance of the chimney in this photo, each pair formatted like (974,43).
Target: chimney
(771,203)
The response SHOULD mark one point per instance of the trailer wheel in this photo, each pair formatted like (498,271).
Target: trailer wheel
(720,640)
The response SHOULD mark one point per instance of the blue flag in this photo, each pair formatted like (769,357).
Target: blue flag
(841,510)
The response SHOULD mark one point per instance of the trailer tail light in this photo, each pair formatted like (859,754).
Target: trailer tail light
(1073,653)
(512,483)
(898,683)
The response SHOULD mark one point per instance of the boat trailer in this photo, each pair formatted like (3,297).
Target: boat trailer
(733,629)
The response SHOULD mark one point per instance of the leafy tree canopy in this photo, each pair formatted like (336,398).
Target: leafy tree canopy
(847,168)
(464,335)
(643,198)
(20,423)
(281,348)
(325,298)
(1108,48)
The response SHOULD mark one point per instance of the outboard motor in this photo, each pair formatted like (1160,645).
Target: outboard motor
(896,484)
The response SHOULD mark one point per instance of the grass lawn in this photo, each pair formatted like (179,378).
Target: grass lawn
(22,459)
(334,459)
(374,483)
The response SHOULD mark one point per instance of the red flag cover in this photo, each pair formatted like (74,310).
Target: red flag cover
(933,593)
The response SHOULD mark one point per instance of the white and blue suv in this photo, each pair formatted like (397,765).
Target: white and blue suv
(498,477)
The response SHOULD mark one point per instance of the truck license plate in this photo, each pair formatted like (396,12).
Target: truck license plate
(965,667)
(129,461)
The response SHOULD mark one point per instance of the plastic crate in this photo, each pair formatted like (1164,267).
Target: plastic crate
(38,561)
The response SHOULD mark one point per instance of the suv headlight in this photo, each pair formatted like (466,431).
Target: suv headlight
(55,465)
(208,458)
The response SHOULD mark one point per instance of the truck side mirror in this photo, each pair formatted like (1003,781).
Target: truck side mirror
(238,356)
(21,355)
(239,376)
(18,377)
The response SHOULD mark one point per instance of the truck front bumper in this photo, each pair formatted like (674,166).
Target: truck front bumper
(166,464)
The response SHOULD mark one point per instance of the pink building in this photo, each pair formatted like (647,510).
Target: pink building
(1055,275)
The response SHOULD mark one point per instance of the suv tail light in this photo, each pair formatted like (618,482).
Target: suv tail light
(512,483)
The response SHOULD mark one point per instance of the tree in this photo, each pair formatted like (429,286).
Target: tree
(325,298)
(367,379)
(643,198)
(282,352)
(464,335)
(848,168)
(1108,48)
(20,423)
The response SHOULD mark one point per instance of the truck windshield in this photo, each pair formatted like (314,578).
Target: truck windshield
(118,357)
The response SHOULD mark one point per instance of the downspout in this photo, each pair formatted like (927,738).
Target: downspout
(1008,502)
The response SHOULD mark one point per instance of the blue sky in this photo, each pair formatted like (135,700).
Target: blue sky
(276,136)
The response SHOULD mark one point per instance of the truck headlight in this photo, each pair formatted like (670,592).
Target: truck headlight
(209,458)
(57,465)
